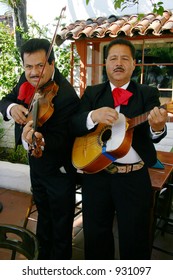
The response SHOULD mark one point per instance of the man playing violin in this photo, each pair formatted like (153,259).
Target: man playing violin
(52,174)
(123,187)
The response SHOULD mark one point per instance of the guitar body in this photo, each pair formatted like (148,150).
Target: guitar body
(96,150)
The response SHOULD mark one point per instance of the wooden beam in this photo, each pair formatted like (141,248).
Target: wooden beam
(82,51)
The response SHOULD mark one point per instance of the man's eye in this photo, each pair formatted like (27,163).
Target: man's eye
(28,67)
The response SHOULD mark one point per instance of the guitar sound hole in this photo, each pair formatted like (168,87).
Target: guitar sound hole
(106,135)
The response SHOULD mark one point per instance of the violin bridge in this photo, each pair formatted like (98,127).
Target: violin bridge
(37,96)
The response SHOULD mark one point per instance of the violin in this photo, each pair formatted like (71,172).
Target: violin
(41,110)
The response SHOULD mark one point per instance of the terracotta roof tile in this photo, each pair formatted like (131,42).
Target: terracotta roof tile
(168,26)
(114,26)
(143,24)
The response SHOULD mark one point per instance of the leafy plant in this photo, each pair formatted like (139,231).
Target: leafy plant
(15,156)
(9,60)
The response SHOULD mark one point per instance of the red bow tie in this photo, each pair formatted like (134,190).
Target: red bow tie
(121,96)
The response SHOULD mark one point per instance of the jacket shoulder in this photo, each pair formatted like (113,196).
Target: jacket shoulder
(143,87)
(97,87)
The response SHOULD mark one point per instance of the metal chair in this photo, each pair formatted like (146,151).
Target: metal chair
(20,242)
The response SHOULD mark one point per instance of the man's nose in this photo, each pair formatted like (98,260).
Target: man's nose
(119,61)
(35,70)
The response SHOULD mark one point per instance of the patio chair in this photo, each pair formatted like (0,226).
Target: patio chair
(18,243)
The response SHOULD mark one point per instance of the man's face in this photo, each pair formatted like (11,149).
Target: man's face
(119,65)
(33,65)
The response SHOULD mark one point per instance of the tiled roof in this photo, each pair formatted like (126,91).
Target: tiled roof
(114,26)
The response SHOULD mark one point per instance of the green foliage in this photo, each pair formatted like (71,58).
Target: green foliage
(10,154)
(118,4)
(158,8)
(16,156)
(63,57)
(9,60)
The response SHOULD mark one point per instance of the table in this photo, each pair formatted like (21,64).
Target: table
(165,157)
(159,177)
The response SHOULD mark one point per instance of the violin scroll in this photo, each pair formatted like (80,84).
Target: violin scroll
(37,147)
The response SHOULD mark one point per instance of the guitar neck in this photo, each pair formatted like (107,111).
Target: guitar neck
(138,120)
(142,118)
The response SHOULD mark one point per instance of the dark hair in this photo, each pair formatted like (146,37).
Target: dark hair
(121,41)
(36,44)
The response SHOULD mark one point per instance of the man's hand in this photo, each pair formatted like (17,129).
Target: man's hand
(157,119)
(27,134)
(19,114)
(104,115)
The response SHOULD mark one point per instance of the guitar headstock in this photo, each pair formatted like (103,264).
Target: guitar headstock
(169,107)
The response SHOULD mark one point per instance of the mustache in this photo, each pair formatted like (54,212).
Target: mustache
(33,77)
(118,68)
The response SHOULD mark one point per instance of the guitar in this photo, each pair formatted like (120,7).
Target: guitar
(93,152)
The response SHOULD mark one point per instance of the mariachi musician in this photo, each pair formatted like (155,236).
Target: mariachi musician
(51,172)
(123,187)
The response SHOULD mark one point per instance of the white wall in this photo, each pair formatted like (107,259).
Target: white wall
(15,176)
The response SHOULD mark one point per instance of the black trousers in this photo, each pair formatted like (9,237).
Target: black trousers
(129,195)
(54,196)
